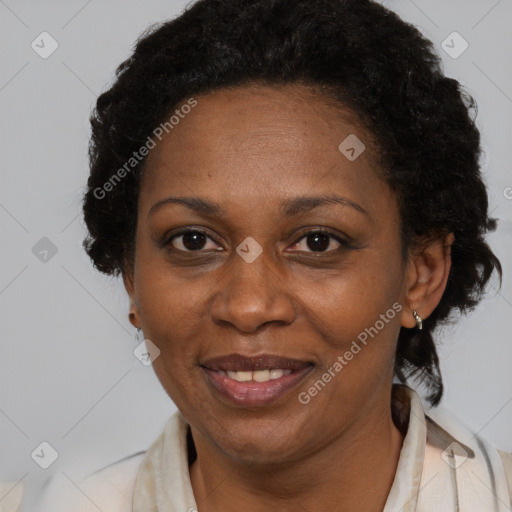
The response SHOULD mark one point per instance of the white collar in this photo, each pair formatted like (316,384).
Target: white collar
(424,480)
(403,494)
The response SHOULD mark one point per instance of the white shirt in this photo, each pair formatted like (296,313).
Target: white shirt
(439,469)
(11,494)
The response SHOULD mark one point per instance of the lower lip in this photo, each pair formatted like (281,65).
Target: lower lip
(252,393)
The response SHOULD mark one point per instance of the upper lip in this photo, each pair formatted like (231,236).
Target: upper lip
(239,362)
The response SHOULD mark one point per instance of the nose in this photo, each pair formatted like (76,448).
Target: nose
(252,295)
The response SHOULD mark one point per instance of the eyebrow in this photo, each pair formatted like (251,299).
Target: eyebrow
(300,205)
(289,207)
(202,206)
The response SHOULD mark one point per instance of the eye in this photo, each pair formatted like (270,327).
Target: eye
(319,241)
(191,240)
(195,240)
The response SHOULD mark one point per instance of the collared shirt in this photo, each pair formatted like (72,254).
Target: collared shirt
(440,468)
(11,494)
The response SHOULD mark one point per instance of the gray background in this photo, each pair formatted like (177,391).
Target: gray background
(67,372)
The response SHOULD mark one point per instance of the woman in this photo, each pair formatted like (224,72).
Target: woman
(292,194)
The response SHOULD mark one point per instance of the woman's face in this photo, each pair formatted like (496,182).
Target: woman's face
(261,290)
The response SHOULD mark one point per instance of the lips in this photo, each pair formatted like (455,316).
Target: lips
(240,363)
(253,381)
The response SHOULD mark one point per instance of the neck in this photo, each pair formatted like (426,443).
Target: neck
(337,477)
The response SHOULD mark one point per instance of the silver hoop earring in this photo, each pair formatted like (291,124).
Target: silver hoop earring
(419,320)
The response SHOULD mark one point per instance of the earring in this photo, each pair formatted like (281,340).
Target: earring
(139,338)
(419,320)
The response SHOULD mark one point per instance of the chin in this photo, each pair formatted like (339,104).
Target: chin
(259,442)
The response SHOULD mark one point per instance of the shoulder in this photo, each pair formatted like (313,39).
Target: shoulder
(477,471)
(506,458)
(110,488)
(11,494)
(453,467)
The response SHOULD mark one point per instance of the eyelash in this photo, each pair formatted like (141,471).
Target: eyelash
(343,242)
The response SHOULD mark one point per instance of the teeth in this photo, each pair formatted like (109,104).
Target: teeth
(278,373)
(261,376)
(257,376)
(240,376)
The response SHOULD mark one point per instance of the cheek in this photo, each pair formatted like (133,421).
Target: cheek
(167,297)
(168,308)
(346,304)
(170,318)
(355,332)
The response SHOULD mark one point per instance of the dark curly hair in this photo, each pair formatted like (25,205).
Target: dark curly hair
(359,53)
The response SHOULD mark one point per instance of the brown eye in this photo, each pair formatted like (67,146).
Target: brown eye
(318,241)
(191,241)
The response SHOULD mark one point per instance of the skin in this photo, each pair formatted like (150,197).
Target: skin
(249,149)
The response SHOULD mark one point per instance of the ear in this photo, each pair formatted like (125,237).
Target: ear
(426,277)
(133,316)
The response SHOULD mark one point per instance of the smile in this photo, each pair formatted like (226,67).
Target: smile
(257,376)
(254,381)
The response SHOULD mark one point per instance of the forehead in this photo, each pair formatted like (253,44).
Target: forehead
(245,144)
